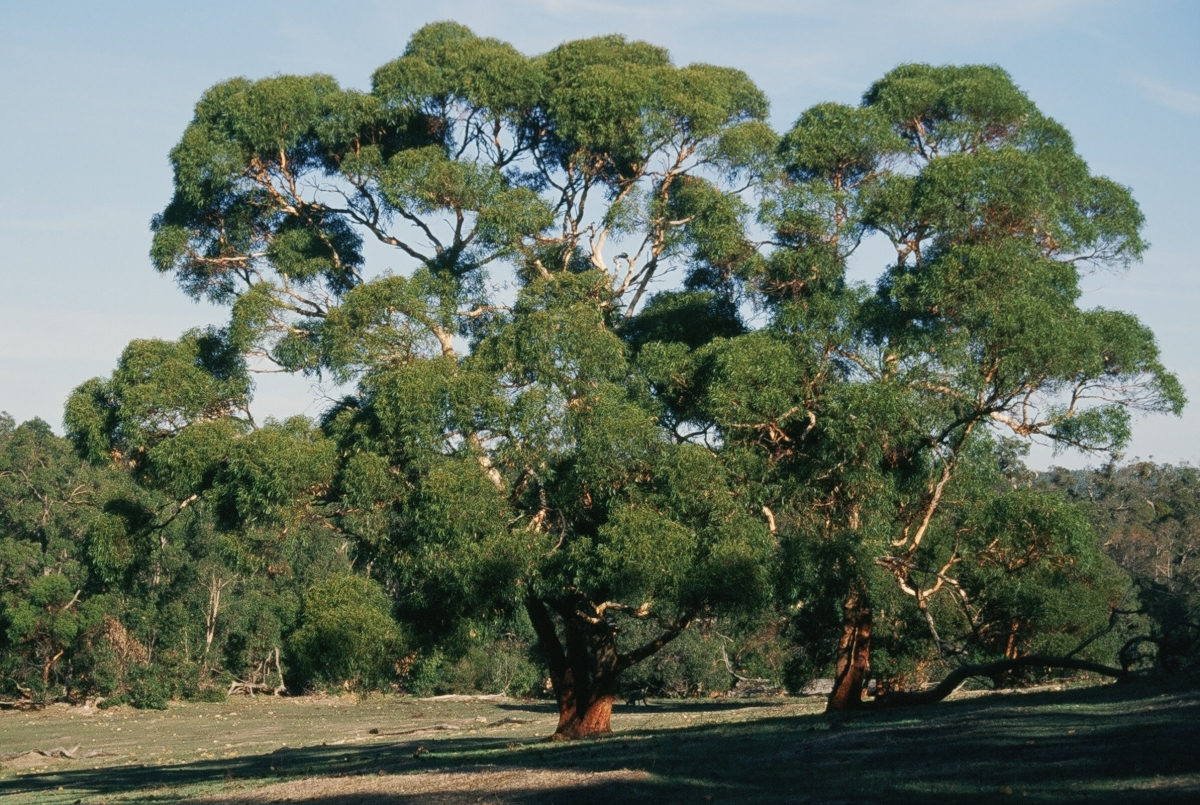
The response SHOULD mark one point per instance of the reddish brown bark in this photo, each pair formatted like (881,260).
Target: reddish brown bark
(584,664)
(854,651)
(584,719)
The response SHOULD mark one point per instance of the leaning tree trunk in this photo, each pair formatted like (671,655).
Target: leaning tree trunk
(584,664)
(854,650)
(958,676)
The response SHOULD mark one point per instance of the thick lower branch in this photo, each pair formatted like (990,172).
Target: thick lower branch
(960,675)
(653,646)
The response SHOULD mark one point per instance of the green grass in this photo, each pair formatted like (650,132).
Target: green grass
(1120,743)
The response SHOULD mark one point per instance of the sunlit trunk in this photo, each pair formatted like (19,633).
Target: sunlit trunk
(583,717)
(854,651)
(583,670)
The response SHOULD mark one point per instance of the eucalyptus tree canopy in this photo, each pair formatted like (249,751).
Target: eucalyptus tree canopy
(973,332)
(44,495)
(202,530)
(534,424)
(503,446)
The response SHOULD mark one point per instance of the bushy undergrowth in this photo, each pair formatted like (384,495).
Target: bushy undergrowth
(691,665)
(506,664)
(112,591)
(347,635)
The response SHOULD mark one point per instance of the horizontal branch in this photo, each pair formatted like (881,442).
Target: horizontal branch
(651,647)
(960,675)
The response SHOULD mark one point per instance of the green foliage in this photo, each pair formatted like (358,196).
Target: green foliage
(149,690)
(1146,517)
(691,666)
(268,471)
(158,388)
(485,658)
(1032,581)
(346,634)
(173,561)
(46,621)
(691,318)
(538,424)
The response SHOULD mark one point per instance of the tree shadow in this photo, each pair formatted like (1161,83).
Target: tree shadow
(700,706)
(654,705)
(1106,745)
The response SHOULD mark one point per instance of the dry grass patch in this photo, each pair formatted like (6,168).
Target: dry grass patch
(468,785)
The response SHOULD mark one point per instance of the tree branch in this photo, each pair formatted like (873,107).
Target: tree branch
(960,675)
(648,649)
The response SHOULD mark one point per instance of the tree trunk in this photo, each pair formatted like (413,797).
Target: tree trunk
(583,716)
(854,650)
(584,664)
(50,664)
(583,667)
(960,675)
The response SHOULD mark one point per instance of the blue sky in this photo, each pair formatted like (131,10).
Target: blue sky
(93,96)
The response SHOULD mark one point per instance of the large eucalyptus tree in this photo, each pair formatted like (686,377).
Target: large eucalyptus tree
(502,446)
(534,426)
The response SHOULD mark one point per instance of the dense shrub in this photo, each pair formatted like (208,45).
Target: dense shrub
(690,665)
(478,658)
(347,636)
(150,688)
(1148,519)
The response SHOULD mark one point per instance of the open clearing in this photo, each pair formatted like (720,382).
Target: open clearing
(1118,743)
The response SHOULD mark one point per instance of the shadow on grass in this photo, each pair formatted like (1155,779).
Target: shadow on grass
(656,706)
(1113,744)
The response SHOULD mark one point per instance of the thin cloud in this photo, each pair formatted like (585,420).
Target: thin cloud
(1178,100)
(972,13)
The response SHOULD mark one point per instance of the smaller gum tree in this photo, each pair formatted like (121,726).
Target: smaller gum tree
(974,331)
(207,527)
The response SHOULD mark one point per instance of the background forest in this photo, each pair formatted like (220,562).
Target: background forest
(622,423)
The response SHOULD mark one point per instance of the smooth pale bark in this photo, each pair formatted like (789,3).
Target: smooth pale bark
(854,651)
(50,664)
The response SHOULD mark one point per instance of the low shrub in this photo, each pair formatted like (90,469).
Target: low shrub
(690,665)
(347,636)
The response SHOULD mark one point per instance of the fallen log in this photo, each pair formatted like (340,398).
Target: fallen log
(250,688)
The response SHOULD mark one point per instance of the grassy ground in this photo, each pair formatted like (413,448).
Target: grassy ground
(1121,743)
